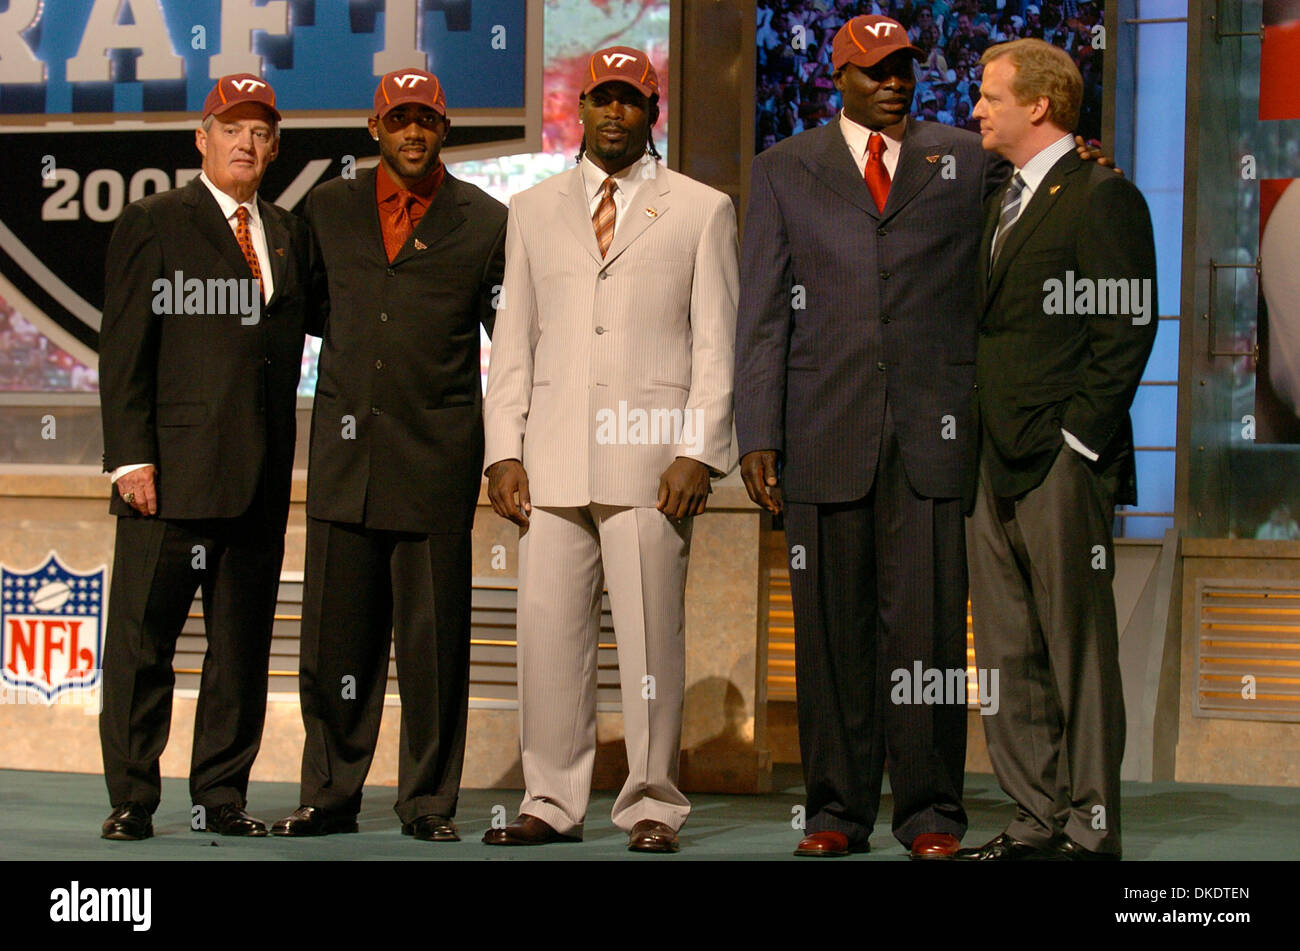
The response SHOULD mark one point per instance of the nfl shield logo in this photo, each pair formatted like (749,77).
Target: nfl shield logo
(51,626)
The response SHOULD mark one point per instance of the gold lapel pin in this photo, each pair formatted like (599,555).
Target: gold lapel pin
(651,213)
(420,245)
(932,159)
(280,251)
(1054,189)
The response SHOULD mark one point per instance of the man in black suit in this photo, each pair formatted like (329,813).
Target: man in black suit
(1068,322)
(855,368)
(200,352)
(414,260)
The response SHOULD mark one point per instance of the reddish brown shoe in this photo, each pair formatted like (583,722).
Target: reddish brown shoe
(823,844)
(935,845)
(526,830)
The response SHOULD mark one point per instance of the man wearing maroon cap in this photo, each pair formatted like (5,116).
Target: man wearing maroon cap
(620,303)
(198,408)
(854,417)
(413,259)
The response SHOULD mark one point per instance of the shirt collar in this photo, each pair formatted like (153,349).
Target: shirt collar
(857,136)
(387,188)
(228,204)
(593,177)
(1036,168)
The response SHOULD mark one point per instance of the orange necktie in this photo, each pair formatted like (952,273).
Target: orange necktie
(603,219)
(400,223)
(245,240)
(875,173)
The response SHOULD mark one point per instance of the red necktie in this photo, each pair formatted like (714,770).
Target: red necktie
(245,240)
(603,219)
(400,223)
(875,173)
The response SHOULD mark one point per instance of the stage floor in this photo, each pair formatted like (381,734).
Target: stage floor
(56,817)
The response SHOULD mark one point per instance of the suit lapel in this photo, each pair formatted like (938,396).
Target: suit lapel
(574,213)
(277,246)
(914,167)
(442,217)
(212,225)
(1045,196)
(363,207)
(833,164)
(652,203)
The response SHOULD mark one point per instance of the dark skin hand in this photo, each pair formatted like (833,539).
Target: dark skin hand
(508,491)
(1089,154)
(758,469)
(683,490)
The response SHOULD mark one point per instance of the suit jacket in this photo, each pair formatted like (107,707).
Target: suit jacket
(397,426)
(842,304)
(1040,371)
(605,370)
(207,398)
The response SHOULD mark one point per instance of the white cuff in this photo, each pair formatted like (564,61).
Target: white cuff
(123,470)
(1072,441)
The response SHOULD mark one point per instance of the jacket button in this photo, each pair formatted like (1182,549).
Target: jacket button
(884,318)
(391,272)
(268,361)
(600,330)
(603,275)
(880,365)
(374,411)
(379,364)
(383,317)
(882,232)
(884,275)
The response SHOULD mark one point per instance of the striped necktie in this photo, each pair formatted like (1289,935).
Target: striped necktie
(603,219)
(245,240)
(1007,218)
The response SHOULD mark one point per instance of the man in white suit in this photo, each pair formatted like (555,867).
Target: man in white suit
(608,409)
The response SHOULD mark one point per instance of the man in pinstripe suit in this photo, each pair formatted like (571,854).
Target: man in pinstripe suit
(608,409)
(854,381)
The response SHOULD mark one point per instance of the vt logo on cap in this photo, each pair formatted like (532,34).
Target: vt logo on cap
(247,85)
(409,79)
(618,60)
(622,64)
(409,85)
(864,41)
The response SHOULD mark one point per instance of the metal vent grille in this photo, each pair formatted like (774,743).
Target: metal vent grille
(1248,649)
(492,672)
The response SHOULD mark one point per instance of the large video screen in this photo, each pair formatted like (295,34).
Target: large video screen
(795,89)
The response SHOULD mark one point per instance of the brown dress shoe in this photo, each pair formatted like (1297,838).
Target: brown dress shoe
(651,836)
(526,830)
(935,845)
(825,844)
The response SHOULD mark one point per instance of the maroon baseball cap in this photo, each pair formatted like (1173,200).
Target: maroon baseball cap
(866,40)
(409,85)
(625,65)
(230,91)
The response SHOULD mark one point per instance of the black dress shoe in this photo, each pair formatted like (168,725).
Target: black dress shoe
(432,829)
(308,820)
(1006,849)
(1072,851)
(230,819)
(127,823)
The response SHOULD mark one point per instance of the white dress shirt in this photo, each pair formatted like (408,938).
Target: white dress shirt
(228,207)
(858,136)
(626,182)
(1032,174)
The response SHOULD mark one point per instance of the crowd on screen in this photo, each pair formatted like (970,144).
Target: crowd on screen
(795,86)
(30,362)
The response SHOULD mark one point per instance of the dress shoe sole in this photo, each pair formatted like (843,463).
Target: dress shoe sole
(332,828)
(820,853)
(121,835)
(251,834)
(440,837)
(503,840)
(932,857)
